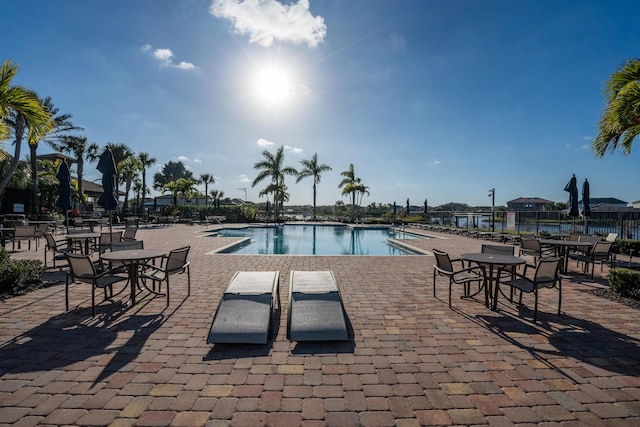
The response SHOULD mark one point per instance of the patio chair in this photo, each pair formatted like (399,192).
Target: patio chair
(246,309)
(601,252)
(82,270)
(24,233)
(123,246)
(315,310)
(174,263)
(129,234)
(106,238)
(611,237)
(531,247)
(54,247)
(547,275)
(501,250)
(444,266)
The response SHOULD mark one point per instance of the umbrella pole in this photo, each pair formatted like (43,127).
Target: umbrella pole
(110,222)
(66,214)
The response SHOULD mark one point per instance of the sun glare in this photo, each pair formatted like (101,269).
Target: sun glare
(272,85)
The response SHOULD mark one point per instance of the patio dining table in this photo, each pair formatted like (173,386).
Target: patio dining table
(491,261)
(132,258)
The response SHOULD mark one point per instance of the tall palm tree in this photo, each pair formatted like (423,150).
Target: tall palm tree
(129,170)
(120,153)
(206,179)
(351,185)
(312,168)
(272,166)
(620,122)
(145,161)
(20,112)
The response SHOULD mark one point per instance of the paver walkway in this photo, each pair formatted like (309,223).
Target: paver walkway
(412,361)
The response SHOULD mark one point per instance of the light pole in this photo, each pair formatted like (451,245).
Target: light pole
(492,194)
(245,199)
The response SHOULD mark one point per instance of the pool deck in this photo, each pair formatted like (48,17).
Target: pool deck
(412,361)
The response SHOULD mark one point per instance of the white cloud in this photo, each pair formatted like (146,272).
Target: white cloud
(182,158)
(293,149)
(197,161)
(436,162)
(264,143)
(244,178)
(268,20)
(165,57)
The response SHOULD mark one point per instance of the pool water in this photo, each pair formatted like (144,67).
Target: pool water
(317,240)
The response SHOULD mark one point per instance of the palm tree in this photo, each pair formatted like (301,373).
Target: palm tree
(120,153)
(20,111)
(145,161)
(620,122)
(351,188)
(206,179)
(312,168)
(181,187)
(272,166)
(216,195)
(129,169)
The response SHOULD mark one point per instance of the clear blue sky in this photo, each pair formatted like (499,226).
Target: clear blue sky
(434,99)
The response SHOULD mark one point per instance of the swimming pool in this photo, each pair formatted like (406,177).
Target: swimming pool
(317,240)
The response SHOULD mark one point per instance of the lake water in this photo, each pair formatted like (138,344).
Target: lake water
(317,240)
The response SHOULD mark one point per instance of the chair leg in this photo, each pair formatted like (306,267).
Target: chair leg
(450,285)
(167,290)
(66,294)
(535,306)
(559,295)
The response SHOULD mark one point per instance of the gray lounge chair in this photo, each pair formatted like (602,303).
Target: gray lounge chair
(246,309)
(316,312)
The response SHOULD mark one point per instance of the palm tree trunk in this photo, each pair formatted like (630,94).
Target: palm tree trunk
(314,201)
(19,132)
(33,153)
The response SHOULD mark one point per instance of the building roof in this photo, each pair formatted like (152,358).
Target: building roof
(531,200)
(605,200)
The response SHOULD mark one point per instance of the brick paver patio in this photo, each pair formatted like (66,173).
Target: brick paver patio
(412,361)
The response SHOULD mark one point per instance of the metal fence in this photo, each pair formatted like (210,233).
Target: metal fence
(625,223)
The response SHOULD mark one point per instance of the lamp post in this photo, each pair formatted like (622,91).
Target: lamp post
(245,200)
(492,194)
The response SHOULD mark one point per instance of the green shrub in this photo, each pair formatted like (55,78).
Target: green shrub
(18,275)
(624,282)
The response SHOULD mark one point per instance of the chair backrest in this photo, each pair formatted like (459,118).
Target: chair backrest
(81,266)
(611,237)
(107,237)
(42,229)
(177,259)
(443,261)
(601,248)
(26,231)
(51,241)
(530,244)
(573,237)
(497,250)
(129,233)
(589,239)
(548,270)
(122,246)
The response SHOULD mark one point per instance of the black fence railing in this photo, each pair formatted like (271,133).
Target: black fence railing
(625,223)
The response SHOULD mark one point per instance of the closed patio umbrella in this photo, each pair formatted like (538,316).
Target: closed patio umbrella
(407,207)
(586,202)
(64,190)
(109,198)
(572,189)
(586,199)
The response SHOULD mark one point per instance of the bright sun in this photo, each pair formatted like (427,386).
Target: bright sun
(272,85)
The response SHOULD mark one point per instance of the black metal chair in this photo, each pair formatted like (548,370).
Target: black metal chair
(82,270)
(174,263)
(444,266)
(54,247)
(547,275)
